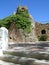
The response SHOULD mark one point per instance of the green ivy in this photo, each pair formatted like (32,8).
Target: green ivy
(21,19)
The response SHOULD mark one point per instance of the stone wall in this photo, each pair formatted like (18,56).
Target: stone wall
(14,34)
(42,29)
(18,35)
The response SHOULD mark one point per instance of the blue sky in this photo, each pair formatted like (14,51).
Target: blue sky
(39,9)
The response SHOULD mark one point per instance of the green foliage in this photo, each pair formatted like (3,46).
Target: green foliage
(23,23)
(43,37)
(21,12)
(5,22)
(21,19)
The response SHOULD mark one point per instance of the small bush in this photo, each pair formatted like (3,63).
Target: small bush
(43,37)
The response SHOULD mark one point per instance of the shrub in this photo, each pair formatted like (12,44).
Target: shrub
(43,37)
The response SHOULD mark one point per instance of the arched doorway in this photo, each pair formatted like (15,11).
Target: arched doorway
(43,31)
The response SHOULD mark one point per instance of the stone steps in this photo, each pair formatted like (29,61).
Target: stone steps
(7,63)
(29,54)
(21,57)
(15,60)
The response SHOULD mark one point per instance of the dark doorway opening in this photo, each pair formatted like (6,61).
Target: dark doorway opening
(43,32)
(10,38)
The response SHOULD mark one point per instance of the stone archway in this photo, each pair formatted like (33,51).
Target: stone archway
(43,32)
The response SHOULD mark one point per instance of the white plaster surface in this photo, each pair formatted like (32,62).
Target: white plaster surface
(3,40)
